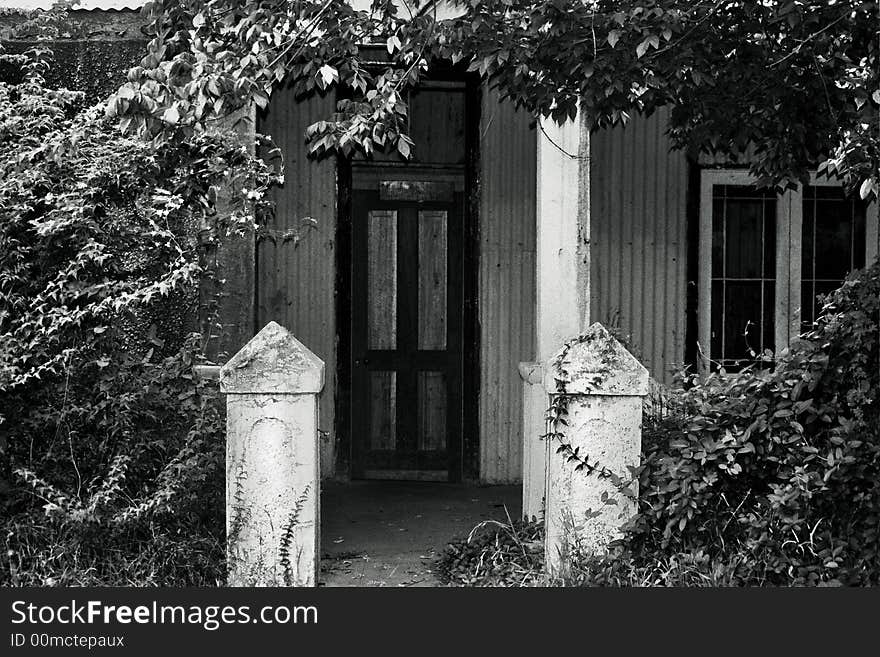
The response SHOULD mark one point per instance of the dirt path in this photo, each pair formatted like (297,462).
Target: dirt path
(391,533)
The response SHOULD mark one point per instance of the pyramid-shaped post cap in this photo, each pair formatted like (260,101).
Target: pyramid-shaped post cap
(595,363)
(273,362)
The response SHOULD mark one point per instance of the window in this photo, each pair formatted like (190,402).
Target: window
(764,258)
(743,272)
(833,244)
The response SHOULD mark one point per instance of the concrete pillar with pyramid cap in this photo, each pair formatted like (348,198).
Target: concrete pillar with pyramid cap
(603,387)
(272,476)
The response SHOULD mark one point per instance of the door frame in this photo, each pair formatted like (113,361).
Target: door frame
(406,358)
(469,445)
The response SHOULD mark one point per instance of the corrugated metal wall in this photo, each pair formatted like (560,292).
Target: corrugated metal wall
(296,278)
(506,282)
(638,239)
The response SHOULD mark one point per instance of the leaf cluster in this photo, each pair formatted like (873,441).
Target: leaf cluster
(495,554)
(105,432)
(785,85)
(775,472)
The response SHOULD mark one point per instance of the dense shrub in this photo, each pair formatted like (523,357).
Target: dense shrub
(768,476)
(762,477)
(110,449)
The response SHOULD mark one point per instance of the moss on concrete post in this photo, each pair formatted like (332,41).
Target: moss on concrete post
(272,479)
(599,388)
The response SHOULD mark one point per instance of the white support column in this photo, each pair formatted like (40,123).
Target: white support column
(591,495)
(272,478)
(563,279)
(535,403)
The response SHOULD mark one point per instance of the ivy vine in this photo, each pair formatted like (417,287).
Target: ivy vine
(556,418)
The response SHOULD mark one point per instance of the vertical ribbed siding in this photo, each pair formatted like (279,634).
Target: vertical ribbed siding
(506,282)
(638,230)
(297,278)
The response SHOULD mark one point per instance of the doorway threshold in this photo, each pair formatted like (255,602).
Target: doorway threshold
(390,533)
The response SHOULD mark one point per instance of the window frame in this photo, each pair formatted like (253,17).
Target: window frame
(789,245)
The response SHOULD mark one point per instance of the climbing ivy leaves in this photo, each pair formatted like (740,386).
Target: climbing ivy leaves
(786,83)
(789,83)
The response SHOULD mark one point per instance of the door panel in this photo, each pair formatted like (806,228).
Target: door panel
(382,279)
(383,410)
(406,335)
(432,411)
(433,255)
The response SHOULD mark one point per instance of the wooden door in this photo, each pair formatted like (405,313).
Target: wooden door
(407,331)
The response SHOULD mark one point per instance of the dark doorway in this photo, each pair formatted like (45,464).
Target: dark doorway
(406,330)
(410,305)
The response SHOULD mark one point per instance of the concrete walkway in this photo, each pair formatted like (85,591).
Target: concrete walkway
(388,533)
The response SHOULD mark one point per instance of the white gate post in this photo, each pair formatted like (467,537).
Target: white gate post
(603,387)
(562,271)
(272,476)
